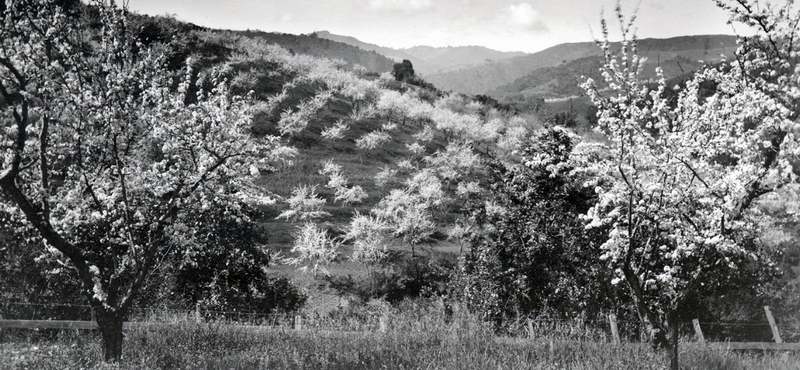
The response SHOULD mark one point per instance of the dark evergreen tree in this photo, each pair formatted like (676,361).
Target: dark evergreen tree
(403,71)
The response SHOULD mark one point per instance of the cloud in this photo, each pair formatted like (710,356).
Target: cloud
(404,5)
(525,15)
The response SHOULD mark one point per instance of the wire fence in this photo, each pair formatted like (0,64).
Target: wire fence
(379,320)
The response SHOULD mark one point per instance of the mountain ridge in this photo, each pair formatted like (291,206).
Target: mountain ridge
(325,48)
(491,76)
(428,59)
(477,70)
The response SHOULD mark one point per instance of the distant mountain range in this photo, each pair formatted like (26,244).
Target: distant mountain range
(548,72)
(675,56)
(428,60)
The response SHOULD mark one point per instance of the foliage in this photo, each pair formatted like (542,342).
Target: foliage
(566,119)
(35,285)
(224,268)
(403,71)
(530,252)
(407,279)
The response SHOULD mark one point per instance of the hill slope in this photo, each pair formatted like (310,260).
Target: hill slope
(326,48)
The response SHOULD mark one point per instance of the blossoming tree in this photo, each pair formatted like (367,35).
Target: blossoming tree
(101,155)
(681,179)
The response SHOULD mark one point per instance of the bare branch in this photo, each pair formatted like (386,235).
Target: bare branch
(697,176)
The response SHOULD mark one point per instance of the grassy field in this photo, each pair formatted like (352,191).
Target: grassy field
(421,336)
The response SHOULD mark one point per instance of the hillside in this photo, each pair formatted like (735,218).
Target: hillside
(394,54)
(427,59)
(564,80)
(325,48)
(494,76)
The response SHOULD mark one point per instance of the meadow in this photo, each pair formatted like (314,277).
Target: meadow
(417,335)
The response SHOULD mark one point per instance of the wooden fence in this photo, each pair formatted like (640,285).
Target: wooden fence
(778,343)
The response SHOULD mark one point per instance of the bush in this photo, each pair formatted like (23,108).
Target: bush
(532,252)
(224,270)
(35,285)
(406,278)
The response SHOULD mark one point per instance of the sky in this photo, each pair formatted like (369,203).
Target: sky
(506,25)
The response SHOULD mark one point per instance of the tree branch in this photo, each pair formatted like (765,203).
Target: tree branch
(21,80)
(45,172)
(22,126)
(53,238)
(696,175)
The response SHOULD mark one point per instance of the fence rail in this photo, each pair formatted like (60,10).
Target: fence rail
(755,346)
(298,323)
(48,324)
(87,325)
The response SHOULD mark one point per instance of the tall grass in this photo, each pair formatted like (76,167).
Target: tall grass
(418,335)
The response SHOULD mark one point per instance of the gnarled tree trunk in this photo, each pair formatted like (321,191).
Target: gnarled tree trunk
(110,325)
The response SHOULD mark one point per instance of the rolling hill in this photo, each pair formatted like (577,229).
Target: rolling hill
(326,48)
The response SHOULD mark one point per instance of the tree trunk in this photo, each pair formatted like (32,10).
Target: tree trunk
(673,341)
(654,327)
(110,325)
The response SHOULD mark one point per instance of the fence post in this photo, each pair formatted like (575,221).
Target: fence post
(530,329)
(93,318)
(612,321)
(298,323)
(775,334)
(197,312)
(698,331)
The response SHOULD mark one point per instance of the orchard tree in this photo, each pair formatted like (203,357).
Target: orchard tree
(409,211)
(403,71)
(103,158)
(680,180)
(370,237)
(343,193)
(314,249)
(304,205)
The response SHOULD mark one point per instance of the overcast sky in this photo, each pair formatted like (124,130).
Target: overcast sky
(507,25)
